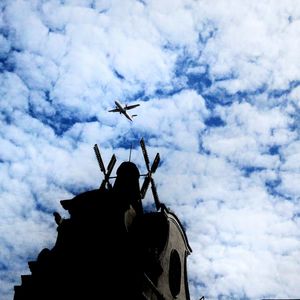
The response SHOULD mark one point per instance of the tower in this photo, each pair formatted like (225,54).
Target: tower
(110,247)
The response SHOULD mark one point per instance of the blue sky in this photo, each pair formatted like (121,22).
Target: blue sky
(219,88)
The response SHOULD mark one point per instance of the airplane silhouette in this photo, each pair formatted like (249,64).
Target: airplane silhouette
(123,109)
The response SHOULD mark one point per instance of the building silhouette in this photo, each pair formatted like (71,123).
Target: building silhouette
(109,248)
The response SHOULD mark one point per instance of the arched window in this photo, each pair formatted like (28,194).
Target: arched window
(174,273)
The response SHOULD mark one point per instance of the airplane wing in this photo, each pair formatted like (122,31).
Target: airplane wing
(114,110)
(131,106)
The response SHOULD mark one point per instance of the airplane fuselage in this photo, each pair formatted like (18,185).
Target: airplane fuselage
(122,110)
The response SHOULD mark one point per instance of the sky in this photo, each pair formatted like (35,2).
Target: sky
(218,84)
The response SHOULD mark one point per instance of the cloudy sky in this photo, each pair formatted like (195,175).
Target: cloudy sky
(219,88)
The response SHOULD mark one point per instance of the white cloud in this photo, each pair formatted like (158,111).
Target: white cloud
(255,41)
(14,94)
(28,30)
(295,95)
(233,184)
(4,46)
(248,136)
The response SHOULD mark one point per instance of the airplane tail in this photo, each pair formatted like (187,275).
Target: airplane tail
(133,116)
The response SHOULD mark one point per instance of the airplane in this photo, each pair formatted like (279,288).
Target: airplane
(122,109)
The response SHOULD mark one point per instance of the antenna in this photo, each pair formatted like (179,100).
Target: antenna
(130,152)
(148,176)
(107,172)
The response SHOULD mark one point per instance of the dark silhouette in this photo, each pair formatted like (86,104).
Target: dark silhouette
(57,217)
(110,248)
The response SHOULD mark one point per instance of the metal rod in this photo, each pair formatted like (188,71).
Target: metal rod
(130,152)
